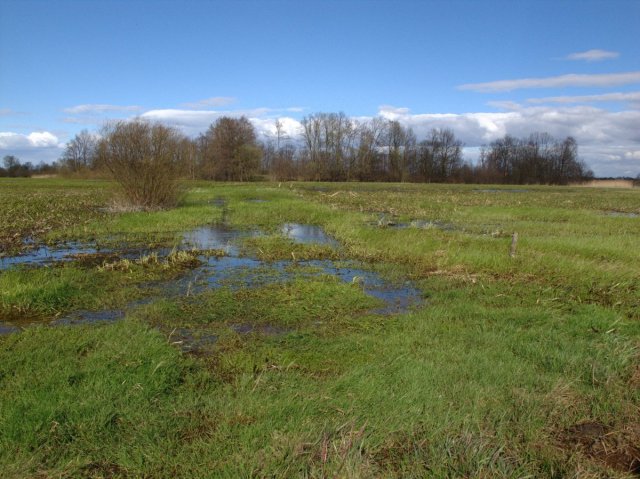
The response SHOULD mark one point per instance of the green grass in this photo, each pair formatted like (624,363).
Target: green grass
(499,374)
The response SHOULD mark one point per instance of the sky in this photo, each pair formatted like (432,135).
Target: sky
(482,68)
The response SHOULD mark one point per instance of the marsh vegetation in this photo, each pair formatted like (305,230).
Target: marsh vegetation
(320,330)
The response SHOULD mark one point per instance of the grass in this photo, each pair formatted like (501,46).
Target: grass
(515,367)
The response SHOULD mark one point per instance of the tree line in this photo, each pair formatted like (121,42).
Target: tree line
(331,147)
(12,167)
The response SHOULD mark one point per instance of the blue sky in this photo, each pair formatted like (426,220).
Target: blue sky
(483,68)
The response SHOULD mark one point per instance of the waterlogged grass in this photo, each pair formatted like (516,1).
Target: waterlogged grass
(32,208)
(515,367)
(90,283)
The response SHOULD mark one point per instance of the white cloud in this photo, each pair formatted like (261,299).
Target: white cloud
(613,97)
(595,55)
(216,101)
(38,139)
(36,147)
(391,112)
(570,80)
(606,140)
(194,122)
(92,109)
(266,127)
(604,137)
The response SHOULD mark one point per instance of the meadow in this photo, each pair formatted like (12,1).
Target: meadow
(136,354)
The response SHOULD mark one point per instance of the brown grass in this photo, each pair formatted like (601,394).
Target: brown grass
(607,184)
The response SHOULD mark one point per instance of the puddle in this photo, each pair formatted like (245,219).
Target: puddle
(621,214)
(502,190)
(263,329)
(191,340)
(44,254)
(398,297)
(308,234)
(212,237)
(219,237)
(232,271)
(416,224)
(8,328)
(89,317)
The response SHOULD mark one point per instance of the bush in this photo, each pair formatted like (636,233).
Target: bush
(144,158)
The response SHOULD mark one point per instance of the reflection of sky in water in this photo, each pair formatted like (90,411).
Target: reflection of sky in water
(232,271)
(307,234)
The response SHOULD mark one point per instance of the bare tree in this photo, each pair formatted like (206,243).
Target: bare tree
(144,158)
(80,152)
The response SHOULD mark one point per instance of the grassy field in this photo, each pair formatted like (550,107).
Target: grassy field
(524,366)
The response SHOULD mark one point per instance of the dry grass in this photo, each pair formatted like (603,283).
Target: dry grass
(607,184)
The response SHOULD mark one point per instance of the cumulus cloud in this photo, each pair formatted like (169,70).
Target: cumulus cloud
(561,81)
(35,147)
(194,122)
(595,55)
(90,109)
(213,102)
(38,139)
(607,140)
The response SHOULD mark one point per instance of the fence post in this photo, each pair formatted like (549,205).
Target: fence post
(514,245)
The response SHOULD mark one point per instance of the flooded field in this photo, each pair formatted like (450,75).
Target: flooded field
(320,330)
(228,268)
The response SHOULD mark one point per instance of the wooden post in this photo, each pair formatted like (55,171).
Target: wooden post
(514,245)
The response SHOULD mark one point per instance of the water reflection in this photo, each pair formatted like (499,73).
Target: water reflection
(232,271)
(307,234)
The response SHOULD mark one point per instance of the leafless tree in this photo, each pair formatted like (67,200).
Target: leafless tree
(144,158)
(80,152)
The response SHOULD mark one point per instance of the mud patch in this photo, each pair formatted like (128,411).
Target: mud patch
(617,449)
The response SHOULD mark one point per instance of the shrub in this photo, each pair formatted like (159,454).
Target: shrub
(144,158)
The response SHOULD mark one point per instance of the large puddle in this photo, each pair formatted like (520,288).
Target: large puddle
(234,270)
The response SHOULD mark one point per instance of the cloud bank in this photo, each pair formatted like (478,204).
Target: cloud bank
(36,147)
(609,141)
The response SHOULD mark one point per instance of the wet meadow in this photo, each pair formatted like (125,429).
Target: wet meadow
(320,330)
